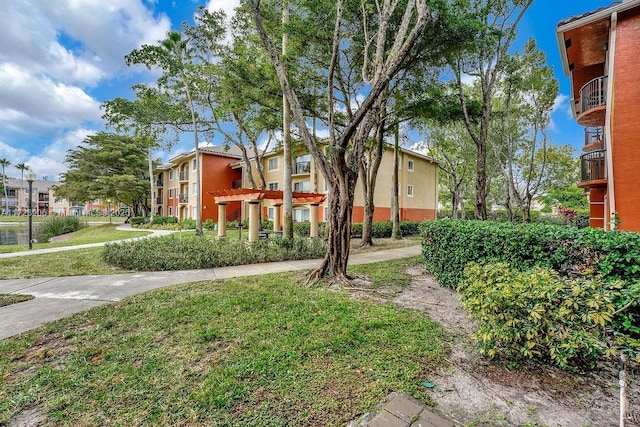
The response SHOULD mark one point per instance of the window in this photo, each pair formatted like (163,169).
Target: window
(302,164)
(409,190)
(194,188)
(171,193)
(273,185)
(194,212)
(273,164)
(325,214)
(171,174)
(270,212)
(170,211)
(302,186)
(194,164)
(301,215)
(410,165)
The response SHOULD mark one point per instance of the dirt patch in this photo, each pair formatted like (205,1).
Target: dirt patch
(32,417)
(477,392)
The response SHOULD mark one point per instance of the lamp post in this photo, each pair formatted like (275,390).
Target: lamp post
(30,176)
(109,209)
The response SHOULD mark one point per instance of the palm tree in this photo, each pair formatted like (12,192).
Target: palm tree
(21,167)
(4,163)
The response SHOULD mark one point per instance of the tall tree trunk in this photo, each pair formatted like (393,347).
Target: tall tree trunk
(369,176)
(287,191)
(152,186)
(480,201)
(395,203)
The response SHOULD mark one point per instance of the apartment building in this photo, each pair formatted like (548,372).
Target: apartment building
(417,182)
(175,183)
(44,203)
(600,52)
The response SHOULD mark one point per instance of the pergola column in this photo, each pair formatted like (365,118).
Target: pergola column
(254,211)
(277,222)
(313,220)
(222,219)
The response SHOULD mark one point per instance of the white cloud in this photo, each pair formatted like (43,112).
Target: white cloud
(50,160)
(562,104)
(35,102)
(228,6)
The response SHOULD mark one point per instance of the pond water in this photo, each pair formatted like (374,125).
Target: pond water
(12,235)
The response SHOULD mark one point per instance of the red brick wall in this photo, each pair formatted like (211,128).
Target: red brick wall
(626,120)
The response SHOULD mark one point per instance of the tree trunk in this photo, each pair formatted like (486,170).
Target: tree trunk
(369,175)
(395,203)
(480,204)
(287,191)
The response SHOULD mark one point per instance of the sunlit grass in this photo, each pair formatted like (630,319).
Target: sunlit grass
(256,351)
(93,234)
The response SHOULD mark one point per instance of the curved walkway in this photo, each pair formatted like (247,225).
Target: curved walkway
(123,227)
(58,297)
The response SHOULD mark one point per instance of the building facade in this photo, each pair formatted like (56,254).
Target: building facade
(417,182)
(44,202)
(600,52)
(175,183)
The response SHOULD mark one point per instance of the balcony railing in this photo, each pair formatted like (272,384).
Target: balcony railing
(158,200)
(594,136)
(159,183)
(184,176)
(43,198)
(593,94)
(593,166)
(302,167)
(183,198)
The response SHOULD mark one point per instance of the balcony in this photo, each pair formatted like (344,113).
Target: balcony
(158,200)
(42,198)
(593,102)
(159,183)
(184,176)
(236,184)
(183,198)
(593,138)
(593,169)
(302,167)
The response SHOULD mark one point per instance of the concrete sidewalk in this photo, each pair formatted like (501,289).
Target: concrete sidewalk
(59,297)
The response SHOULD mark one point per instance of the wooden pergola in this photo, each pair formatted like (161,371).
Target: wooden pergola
(254,197)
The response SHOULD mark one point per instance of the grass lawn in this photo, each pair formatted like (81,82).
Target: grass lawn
(256,351)
(8,299)
(92,234)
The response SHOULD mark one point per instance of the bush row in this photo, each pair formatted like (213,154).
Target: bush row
(380,229)
(607,257)
(176,252)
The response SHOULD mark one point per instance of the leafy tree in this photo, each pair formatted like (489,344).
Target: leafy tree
(389,46)
(528,91)
(109,166)
(501,18)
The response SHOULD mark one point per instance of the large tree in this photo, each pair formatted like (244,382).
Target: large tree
(388,46)
(501,19)
(108,166)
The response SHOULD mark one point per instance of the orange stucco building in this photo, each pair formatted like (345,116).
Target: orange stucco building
(600,51)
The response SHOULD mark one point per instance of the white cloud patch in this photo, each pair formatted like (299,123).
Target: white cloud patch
(562,104)
(228,6)
(50,160)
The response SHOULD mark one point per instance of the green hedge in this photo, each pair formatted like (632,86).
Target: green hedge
(175,252)
(449,245)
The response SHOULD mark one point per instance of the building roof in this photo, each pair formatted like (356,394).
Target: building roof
(219,150)
(38,183)
(584,15)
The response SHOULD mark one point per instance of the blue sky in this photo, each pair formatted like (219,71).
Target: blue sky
(59,60)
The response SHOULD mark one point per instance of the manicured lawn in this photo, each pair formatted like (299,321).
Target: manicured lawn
(93,234)
(68,263)
(257,351)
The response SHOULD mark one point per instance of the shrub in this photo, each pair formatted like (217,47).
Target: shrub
(175,252)
(538,314)
(449,245)
(188,224)
(57,225)
(267,224)
(164,220)
(209,224)
(137,220)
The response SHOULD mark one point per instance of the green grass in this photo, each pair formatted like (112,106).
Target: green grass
(256,351)
(8,299)
(68,263)
(390,273)
(93,234)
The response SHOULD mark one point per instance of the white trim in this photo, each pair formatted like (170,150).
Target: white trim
(607,120)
